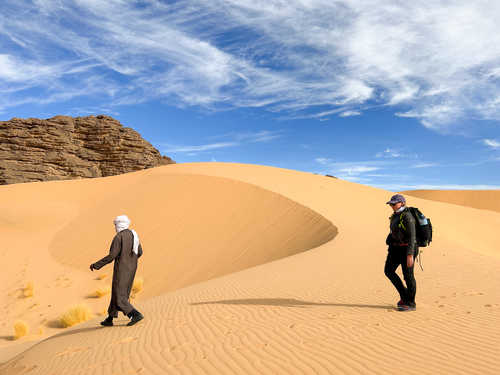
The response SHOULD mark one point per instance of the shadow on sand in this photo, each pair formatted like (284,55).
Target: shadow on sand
(288,302)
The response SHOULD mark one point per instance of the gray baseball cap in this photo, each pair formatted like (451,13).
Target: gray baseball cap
(396,199)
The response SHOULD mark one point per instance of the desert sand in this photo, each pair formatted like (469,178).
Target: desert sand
(247,270)
(481,199)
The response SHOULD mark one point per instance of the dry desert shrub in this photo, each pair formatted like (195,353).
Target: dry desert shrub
(75,314)
(28,289)
(20,329)
(102,291)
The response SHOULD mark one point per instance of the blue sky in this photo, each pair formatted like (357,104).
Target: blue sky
(379,92)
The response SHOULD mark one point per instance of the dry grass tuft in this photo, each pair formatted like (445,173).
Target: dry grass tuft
(20,329)
(28,290)
(75,314)
(102,291)
(138,285)
(101,276)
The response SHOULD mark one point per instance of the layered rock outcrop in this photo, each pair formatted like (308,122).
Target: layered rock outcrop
(64,147)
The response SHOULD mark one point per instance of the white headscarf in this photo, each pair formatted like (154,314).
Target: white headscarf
(122,222)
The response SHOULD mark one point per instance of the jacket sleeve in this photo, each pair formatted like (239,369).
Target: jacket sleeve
(140,251)
(411,230)
(114,251)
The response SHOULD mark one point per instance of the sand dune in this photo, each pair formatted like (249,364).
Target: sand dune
(247,269)
(481,199)
(233,226)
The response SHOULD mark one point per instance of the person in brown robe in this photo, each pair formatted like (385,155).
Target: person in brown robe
(125,250)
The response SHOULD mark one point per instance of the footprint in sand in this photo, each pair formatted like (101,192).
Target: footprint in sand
(70,351)
(330,316)
(474,293)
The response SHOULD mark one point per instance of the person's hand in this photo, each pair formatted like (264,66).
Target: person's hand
(92,268)
(409,261)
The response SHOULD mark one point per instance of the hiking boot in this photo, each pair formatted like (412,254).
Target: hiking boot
(108,322)
(401,303)
(135,316)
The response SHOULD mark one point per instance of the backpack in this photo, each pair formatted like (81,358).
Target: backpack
(423,227)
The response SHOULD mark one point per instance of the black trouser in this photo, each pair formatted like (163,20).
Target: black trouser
(395,257)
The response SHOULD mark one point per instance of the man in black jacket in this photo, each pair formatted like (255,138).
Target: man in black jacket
(403,249)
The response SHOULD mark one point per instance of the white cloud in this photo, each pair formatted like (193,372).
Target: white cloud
(425,165)
(441,60)
(13,70)
(391,153)
(206,147)
(388,153)
(232,140)
(406,93)
(323,161)
(434,116)
(259,136)
(350,113)
(357,169)
(491,143)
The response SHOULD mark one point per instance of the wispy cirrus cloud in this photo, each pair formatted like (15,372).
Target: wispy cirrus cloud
(395,153)
(389,153)
(425,165)
(436,61)
(494,144)
(198,148)
(233,139)
(355,171)
(252,137)
(323,161)
(350,113)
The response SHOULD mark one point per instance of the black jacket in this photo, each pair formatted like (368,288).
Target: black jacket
(403,231)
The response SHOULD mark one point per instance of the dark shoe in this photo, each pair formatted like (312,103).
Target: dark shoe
(136,317)
(108,322)
(401,303)
(406,308)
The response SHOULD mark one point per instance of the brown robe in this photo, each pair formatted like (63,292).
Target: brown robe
(123,271)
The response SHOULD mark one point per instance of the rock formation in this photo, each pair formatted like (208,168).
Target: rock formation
(63,148)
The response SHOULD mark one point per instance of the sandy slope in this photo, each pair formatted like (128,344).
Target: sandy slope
(481,199)
(326,310)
